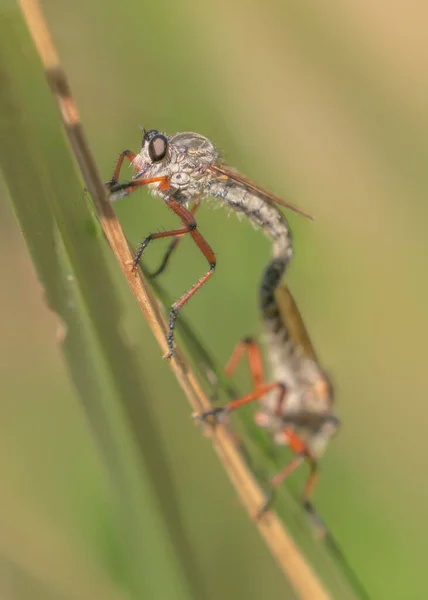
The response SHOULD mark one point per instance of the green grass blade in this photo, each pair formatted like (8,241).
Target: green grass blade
(155,557)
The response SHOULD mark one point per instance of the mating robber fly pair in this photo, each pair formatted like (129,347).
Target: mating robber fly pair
(296,400)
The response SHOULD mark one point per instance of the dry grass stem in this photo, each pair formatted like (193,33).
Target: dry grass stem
(283,548)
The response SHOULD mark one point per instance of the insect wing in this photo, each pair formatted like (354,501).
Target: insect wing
(229,173)
(293,321)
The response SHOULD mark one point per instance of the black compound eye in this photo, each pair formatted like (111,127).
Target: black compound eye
(149,135)
(157,147)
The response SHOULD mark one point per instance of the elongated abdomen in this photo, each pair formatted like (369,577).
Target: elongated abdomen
(262,213)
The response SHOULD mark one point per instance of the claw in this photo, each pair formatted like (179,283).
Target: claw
(110,183)
(209,413)
(132,266)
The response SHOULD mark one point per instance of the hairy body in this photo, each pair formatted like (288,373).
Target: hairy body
(296,407)
(183,170)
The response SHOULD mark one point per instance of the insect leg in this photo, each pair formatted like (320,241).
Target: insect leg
(277,480)
(308,491)
(130,186)
(251,348)
(206,250)
(234,404)
(311,482)
(189,226)
(115,177)
(173,245)
(301,452)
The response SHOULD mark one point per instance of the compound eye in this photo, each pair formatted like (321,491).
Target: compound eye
(157,147)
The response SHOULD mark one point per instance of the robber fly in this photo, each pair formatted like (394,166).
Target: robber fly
(297,407)
(184,169)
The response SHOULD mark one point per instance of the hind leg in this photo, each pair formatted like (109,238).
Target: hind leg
(249,348)
(301,453)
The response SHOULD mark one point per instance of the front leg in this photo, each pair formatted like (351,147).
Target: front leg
(124,189)
(115,177)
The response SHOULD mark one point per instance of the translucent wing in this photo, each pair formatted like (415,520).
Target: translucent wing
(227,172)
(293,321)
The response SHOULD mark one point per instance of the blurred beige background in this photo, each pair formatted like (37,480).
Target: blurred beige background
(327,107)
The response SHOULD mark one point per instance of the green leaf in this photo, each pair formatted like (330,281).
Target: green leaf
(153,555)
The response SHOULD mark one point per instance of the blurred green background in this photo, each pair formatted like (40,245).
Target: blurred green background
(326,107)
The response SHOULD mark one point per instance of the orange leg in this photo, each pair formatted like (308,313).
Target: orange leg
(125,154)
(286,471)
(276,481)
(234,404)
(255,362)
(250,347)
(206,250)
(302,453)
(131,186)
(299,447)
(316,521)
(173,245)
(256,395)
(189,227)
(311,482)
